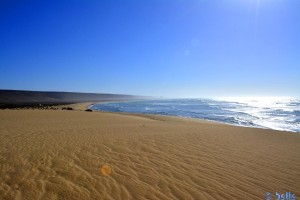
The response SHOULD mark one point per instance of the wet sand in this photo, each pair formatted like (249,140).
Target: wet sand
(61,154)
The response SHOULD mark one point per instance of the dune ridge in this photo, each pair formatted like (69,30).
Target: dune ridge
(57,154)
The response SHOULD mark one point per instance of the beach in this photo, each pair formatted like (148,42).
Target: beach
(73,154)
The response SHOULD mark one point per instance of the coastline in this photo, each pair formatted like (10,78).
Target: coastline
(48,153)
(186,118)
(83,106)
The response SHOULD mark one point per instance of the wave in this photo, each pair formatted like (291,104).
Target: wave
(278,114)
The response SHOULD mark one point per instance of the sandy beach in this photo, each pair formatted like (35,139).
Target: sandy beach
(61,154)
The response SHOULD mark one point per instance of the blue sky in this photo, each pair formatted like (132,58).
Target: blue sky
(170,48)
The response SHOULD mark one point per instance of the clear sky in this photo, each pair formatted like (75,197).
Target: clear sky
(170,48)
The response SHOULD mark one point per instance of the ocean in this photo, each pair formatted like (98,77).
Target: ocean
(271,113)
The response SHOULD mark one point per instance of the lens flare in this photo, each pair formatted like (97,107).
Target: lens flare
(105,170)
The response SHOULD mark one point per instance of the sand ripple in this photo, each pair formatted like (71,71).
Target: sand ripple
(80,155)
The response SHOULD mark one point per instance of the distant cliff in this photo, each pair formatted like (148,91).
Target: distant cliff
(20,96)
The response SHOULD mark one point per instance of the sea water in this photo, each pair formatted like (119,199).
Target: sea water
(272,113)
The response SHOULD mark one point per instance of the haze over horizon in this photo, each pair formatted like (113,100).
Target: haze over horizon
(194,48)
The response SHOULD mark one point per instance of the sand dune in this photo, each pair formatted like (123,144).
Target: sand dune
(47,154)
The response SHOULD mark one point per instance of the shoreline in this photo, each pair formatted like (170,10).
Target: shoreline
(83,106)
(188,118)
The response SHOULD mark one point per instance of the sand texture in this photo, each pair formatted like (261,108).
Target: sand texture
(60,154)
